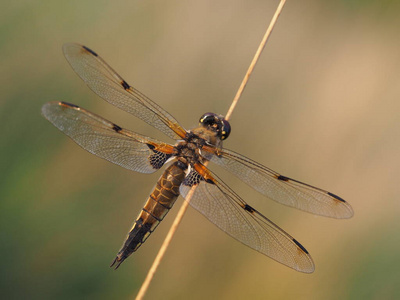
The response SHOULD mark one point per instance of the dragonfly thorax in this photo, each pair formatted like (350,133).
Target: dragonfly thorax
(188,151)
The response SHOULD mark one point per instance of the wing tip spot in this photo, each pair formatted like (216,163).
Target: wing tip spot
(336,197)
(63,103)
(125,85)
(249,208)
(116,128)
(90,51)
(300,246)
(283,178)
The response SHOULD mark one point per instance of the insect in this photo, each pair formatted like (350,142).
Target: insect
(211,196)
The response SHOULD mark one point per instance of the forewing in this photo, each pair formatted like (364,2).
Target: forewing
(283,189)
(106,139)
(106,83)
(217,202)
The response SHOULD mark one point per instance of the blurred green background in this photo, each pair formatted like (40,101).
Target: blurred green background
(322,106)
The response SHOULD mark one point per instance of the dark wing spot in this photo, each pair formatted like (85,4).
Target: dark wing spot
(69,104)
(158,159)
(300,246)
(336,197)
(89,50)
(283,178)
(125,85)
(193,178)
(249,208)
(116,128)
(210,181)
(151,147)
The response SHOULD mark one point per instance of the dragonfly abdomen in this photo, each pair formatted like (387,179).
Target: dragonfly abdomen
(157,206)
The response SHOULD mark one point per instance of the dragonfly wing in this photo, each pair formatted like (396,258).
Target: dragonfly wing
(283,189)
(106,83)
(106,139)
(218,203)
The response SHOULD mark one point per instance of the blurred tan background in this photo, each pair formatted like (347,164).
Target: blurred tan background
(322,106)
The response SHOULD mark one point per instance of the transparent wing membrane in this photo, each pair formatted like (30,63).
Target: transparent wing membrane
(106,83)
(106,139)
(218,203)
(283,189)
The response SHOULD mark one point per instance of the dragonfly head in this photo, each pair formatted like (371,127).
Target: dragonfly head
(216,123)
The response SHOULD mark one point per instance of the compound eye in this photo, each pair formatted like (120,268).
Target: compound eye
(208,119)
(226,129)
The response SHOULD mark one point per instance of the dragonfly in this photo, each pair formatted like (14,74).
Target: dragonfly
(186,169)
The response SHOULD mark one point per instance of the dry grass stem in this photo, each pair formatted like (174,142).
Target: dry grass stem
(164,246)
(255,59)
(185,204)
